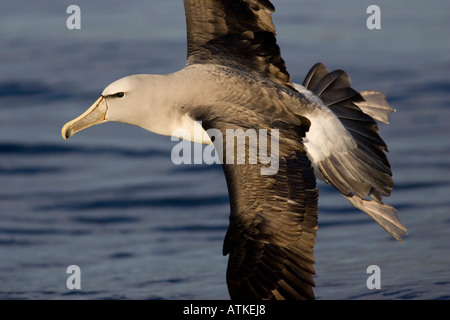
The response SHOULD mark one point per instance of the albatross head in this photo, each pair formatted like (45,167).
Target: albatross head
(137,100)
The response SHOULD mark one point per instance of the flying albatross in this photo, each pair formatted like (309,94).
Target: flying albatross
(235,78)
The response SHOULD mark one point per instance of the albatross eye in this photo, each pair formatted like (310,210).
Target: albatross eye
(119,95)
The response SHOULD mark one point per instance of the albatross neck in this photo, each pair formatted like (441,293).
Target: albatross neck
(172,96)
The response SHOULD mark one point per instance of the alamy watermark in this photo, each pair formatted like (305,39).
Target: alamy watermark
(374,280)
(74,280)
(374,20)
(73,22)
(241,146)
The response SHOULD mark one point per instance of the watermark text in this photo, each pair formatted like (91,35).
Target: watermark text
(74,20)
(241,146)
(374,20)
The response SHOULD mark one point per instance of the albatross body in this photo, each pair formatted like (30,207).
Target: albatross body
(235,79)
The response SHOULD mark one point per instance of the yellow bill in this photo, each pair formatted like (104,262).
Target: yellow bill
(94,115)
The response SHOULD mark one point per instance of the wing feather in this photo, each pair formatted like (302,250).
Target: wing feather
(361,168)
(237,33)
(273,220)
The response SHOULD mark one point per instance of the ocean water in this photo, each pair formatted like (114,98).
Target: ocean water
(140,227)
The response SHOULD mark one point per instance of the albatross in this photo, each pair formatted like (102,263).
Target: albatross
(235,78)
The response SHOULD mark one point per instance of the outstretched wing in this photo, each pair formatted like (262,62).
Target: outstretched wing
(272,230)
(361,168)
(237,33)
(273,221)
(369,163)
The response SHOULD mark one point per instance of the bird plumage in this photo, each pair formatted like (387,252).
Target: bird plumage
(235,79)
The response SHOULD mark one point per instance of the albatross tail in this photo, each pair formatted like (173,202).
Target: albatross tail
(345,147)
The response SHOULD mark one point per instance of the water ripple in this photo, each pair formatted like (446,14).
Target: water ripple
(11,148)
(106,220)
(127,203)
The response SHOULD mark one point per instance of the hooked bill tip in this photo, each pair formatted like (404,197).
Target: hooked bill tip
(65,132)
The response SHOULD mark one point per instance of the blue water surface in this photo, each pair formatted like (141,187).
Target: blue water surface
(140,227)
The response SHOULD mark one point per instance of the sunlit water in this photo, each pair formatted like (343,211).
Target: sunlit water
(111,201)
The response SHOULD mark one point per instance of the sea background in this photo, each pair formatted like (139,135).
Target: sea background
(140,227)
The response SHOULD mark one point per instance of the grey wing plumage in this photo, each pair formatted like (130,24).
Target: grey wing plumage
(273,220)
(335,91)
(364,170)
(272,230)
(235,33)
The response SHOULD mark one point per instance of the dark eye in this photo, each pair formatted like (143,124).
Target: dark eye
(119,95)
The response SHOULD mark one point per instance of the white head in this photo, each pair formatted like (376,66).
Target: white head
(141,100)
(137,100)
(152,102)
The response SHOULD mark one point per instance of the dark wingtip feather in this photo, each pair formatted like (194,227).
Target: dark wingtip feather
(367,168)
